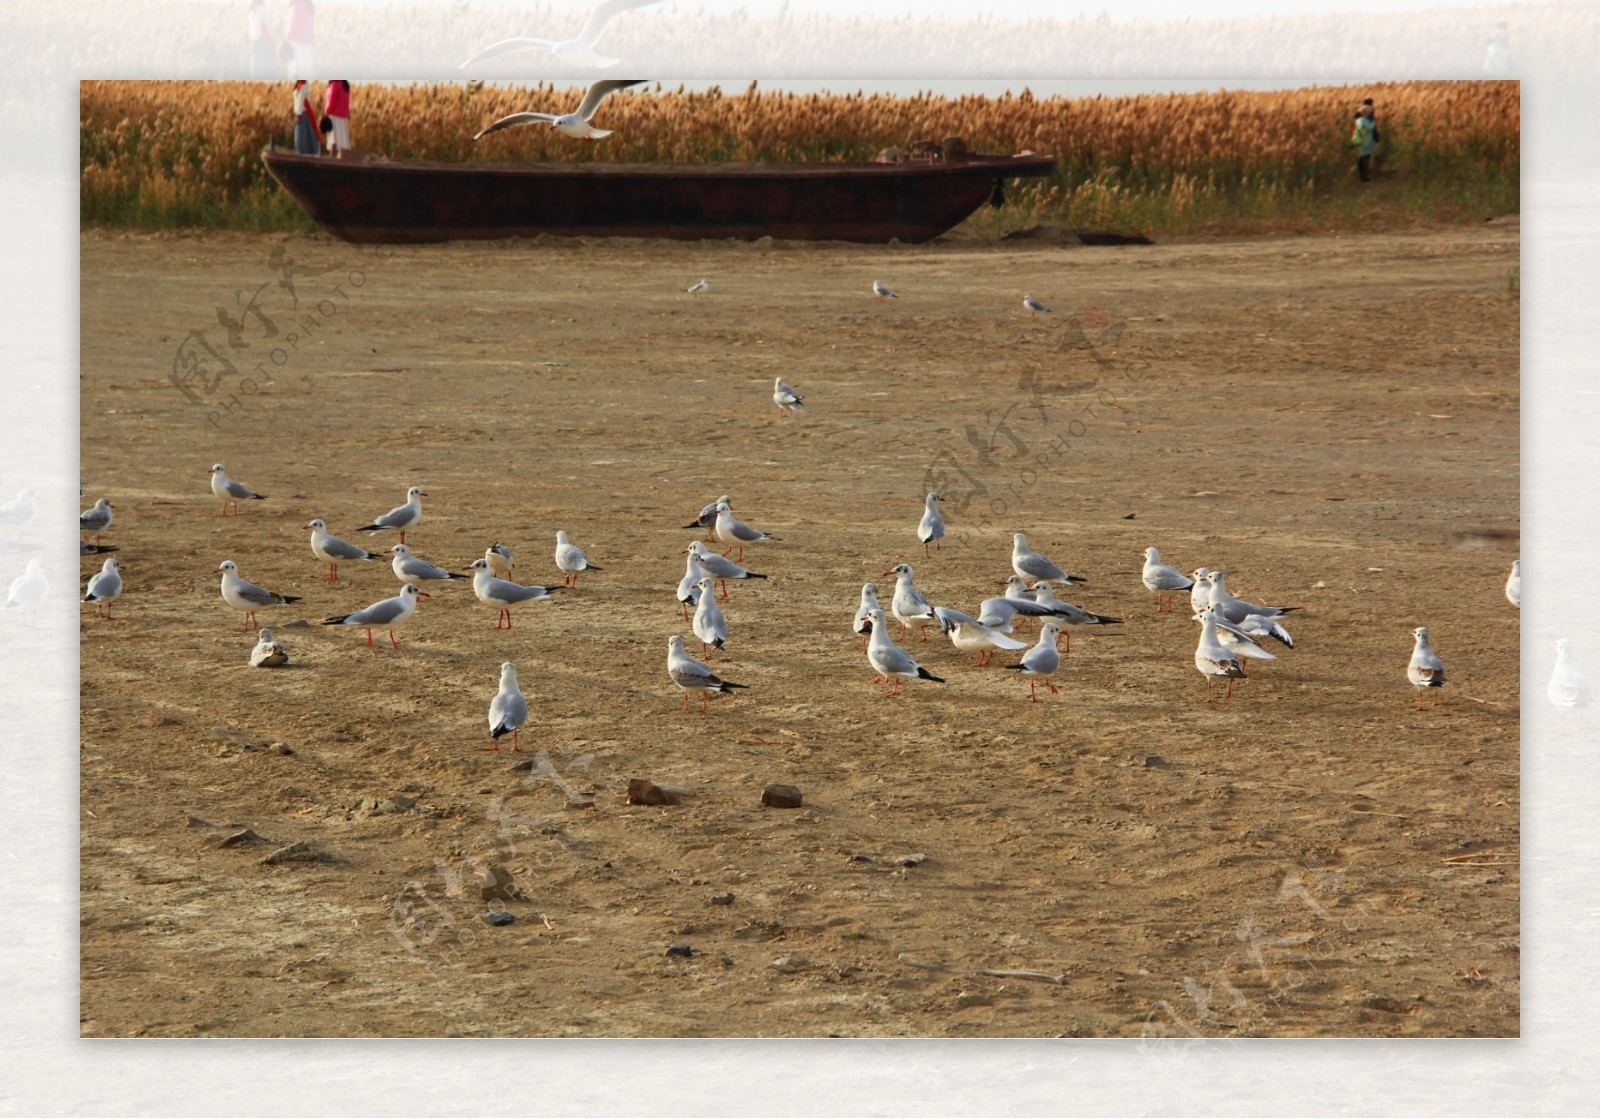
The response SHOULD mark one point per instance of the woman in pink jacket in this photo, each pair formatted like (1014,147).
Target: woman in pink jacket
(337,109)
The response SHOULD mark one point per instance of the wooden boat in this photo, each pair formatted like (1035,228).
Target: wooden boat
(370,199)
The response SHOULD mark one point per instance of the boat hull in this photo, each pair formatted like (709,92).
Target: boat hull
(369,200)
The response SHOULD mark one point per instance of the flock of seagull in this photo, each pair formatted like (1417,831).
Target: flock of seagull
(1231,629)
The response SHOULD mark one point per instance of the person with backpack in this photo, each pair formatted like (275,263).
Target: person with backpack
(1365,138)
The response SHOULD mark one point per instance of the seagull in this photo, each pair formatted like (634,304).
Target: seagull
(733,532)
(414,569)
(710,623)
(1065,613)
(891,661)
(401,517)
(1514,584)
(696,289)
(863,619)
(1236,609)
(689,674)
(784,396)
(578,51)
(87,549)
(508,710)
(571,559)
(931,528)
(1567,687)
(1034,306)
(1200,593)
(972,636)
(1031,565)
(1213,658)
(1240,640)
(719,567)
(96,520)
(502,593)
(243,595)
(331,550)
(104,586)
(19,510)
(575,124)
(998,612)
(268,653)
(386,614)
(708,517)
(499,557)
(1426,670)
(1044,659)
(29,588)
(1259,625)
(1163,580)
(909,605)
(688,592)
(231,492)
(882,292)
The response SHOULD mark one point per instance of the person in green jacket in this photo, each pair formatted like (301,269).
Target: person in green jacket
(1365,138)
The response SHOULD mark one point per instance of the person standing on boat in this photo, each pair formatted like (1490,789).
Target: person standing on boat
(300,36)
(305,125)
(337,110)
(263,51)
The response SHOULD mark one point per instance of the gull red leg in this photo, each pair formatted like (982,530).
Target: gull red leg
(402,536)
(704,696)
(894,691)
(392,641)
(724,585)
(686,701)
(369,638)
(515,749)
(1049,684)
(1031,696)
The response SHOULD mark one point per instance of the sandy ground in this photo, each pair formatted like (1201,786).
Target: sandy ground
(1333,420)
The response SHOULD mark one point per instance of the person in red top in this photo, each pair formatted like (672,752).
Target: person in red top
(263,51)
(300,36)
(305,124)
(337,110)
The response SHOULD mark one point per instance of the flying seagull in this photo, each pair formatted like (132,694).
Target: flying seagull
(575,124)
(578,51)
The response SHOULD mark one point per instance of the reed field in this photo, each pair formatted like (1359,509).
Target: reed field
(157,155)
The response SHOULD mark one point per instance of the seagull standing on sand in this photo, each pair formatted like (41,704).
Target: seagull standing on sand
(571,559)
(386,614)
(414,569)
(718,567)
(508,710)
(690,675)
(1066,614)
(1426,670)
(1044,659)
(331,550)
(29,588)
(1163,580)
(104,587)
(502,594)
(575,124)
(708,517)
(882,292)
(930,530)
(863,620)
(1034,306)
(1236,638)
(972,636)
(578,51)
(1200,593)
(1237,609)
(697,290)
(891,661)
(231,492)
(688,592)
(909,605)
(1514,584)
(500,560)
(241,594)
(401,517)
(268,652)
(96,520)
(710,623)
(1215,659)
(1029,564)
(1568,687)
(733,532)
(789,402)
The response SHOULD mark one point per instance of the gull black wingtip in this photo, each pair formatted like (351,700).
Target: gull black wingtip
(924,674)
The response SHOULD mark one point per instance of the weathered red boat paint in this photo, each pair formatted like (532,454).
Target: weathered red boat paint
(372,200)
